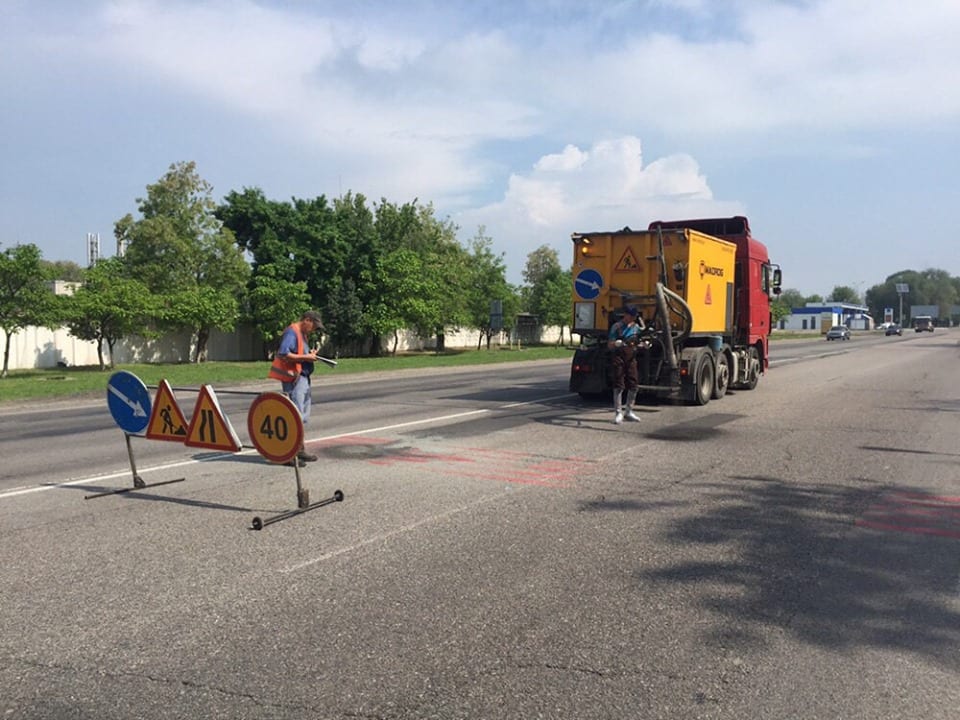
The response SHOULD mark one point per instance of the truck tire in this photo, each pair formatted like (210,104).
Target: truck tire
(752,371)
(721,381)
(701,390)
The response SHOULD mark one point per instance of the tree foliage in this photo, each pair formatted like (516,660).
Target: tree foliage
(486,282)
(548,292)
(932,286)
(108,306)
(845,294)
(182,252)
(25,298)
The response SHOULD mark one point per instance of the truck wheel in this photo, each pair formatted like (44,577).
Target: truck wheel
(752,370)
(703,377)
(722,379)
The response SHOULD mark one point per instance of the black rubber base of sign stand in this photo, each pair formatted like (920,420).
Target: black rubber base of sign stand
(260,523)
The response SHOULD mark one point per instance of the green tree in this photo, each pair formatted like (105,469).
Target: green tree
(25,299)
(845,294)
(544,294)
(932,286)
(486,282)
(410,241)
(791,299)
(108,306)
(62,270)
(275,302)
(782,306)
(182,251)
(343,314)
(301,241)
(541,264)
(555,303)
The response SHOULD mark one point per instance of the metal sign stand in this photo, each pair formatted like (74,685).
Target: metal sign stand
(303,503)
(138,483)
(276,428)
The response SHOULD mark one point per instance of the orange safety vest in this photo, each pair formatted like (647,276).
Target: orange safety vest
(286,370)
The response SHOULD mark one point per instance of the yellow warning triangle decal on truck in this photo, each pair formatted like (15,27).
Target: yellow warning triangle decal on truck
(209,427)
(628,261)
(166,420)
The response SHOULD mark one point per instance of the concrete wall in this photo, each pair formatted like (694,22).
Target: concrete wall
(36,347)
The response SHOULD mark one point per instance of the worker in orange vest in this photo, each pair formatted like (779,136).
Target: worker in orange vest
(293,365)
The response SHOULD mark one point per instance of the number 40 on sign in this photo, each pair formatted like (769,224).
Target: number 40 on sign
(275,427)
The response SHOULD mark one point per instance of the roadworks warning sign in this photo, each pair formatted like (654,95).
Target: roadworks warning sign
(209,427)
(166,420)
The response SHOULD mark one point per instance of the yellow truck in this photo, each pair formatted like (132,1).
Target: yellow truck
(703,290)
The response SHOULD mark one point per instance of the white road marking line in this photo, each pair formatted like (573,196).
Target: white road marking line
(167,466)
(393,533)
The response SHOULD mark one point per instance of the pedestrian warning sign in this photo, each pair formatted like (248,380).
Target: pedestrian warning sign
(166,420)
(628,261)
(209,427)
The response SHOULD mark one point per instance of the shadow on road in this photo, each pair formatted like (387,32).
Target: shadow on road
(841,568)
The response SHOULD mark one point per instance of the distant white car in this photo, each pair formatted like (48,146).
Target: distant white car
(838,332)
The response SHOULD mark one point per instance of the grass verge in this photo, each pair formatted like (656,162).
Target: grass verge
(80,382)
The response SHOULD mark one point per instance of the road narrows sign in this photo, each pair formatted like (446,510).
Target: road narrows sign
(166,421)
(129,401)
(275,426)
(209,427)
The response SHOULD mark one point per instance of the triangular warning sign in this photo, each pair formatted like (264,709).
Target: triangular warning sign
(628,261)
(708,299)
(209,427)
(166,420)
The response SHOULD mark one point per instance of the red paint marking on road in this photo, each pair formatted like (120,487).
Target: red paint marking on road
(508,466)
(495,451)
(938,499)
(917,511)
(913,529)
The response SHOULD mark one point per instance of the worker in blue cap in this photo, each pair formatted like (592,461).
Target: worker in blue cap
(623,340)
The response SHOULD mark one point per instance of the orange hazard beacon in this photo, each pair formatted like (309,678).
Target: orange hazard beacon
(703,291)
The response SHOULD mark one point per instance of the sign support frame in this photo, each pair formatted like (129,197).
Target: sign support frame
(138,483)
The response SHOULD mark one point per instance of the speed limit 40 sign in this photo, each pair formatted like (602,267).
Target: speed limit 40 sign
(275,427)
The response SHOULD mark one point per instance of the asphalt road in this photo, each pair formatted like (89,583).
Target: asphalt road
(503,551)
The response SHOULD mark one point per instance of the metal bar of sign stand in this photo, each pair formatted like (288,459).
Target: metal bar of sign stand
(303,503)
(138,483)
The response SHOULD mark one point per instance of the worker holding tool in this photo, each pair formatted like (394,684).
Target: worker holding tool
(293,365)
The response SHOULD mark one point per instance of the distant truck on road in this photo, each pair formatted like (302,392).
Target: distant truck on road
(923,323)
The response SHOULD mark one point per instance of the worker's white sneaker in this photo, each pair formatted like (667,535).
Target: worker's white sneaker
(632,416)
(618,418)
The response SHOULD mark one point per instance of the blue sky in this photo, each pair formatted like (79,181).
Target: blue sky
(833,125)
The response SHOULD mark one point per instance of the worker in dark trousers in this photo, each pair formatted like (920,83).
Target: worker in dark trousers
(623,340)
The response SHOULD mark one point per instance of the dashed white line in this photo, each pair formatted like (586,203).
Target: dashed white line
(393,533)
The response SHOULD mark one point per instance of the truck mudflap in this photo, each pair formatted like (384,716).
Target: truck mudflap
(590,371)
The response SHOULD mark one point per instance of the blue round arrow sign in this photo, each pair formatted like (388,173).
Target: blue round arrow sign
(588,284)
(129,401)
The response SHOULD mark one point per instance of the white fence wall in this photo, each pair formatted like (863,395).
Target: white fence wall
(37,347)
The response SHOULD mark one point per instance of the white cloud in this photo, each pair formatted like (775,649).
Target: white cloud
(440,101)
(603,188)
